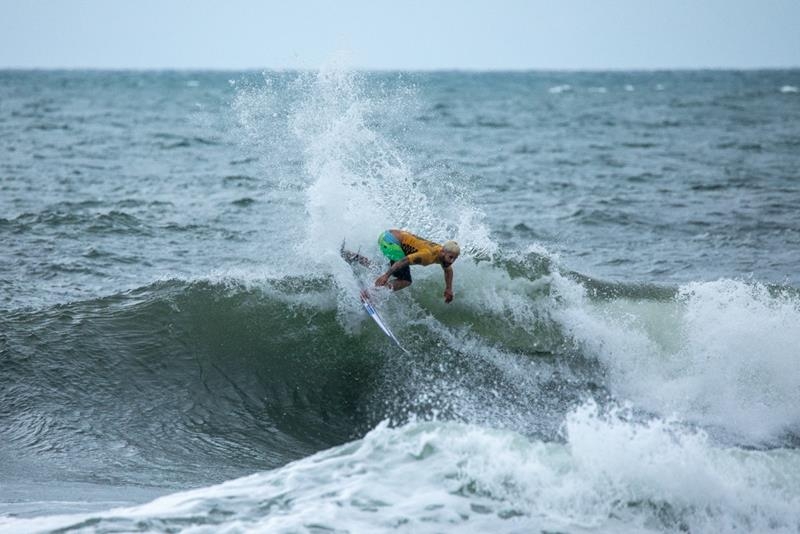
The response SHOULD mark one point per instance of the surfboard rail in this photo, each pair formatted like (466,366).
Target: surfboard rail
(373,313)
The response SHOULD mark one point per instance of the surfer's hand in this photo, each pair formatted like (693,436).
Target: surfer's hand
(448,296)
(381,280)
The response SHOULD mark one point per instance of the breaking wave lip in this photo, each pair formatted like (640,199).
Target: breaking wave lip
(719,353)
(608,473)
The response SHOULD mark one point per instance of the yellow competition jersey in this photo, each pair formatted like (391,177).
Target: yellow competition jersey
(418,251)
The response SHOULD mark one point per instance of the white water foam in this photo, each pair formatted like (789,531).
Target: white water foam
(675,474)
(610,475)
(721,353)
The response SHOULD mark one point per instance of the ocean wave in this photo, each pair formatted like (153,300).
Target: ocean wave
(258,373)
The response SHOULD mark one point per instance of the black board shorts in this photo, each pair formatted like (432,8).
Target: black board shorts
(402,274)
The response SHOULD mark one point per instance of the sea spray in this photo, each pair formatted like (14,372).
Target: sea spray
(355,178)
(345,131)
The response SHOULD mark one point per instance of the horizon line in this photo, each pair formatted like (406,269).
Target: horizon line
(475,70)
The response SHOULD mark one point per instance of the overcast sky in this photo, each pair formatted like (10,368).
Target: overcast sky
(400,34)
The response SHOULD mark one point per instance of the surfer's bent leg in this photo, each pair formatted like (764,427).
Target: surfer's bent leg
(402,277)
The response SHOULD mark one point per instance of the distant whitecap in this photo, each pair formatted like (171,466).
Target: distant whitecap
(789,89)
(560,89)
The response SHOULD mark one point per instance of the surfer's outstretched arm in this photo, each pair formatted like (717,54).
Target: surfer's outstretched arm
(448,284)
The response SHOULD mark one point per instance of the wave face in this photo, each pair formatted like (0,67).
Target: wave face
(179,374)
(182,345)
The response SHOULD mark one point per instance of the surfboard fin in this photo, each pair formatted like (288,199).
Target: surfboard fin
(354,257)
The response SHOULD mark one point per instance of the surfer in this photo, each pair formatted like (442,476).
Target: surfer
(404,249)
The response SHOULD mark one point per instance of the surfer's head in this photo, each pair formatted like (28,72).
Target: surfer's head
(450,252)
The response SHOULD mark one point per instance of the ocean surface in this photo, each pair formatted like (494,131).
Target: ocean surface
(182,347)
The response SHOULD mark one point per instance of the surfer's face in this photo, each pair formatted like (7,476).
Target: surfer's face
(448,257)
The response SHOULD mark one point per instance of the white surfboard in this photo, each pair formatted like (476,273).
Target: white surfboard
(373,313)
(354,258)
